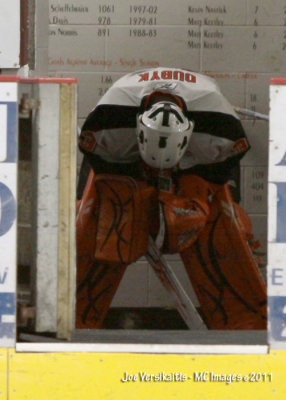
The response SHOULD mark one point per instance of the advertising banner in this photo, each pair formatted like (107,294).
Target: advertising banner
(277,215)
(8,210)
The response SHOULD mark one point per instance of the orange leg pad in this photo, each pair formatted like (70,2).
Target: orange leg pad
(223,271)
(96,287)
(112,231)
(123,214)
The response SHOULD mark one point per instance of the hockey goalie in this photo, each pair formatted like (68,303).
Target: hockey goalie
(161,147)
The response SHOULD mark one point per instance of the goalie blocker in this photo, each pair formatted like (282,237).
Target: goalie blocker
(212,233)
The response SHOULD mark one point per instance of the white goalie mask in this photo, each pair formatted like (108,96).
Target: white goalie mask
(163,134)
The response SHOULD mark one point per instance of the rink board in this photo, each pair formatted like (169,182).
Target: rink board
(60,376)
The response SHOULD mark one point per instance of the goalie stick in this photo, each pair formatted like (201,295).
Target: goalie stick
(250,113)
(170,281)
